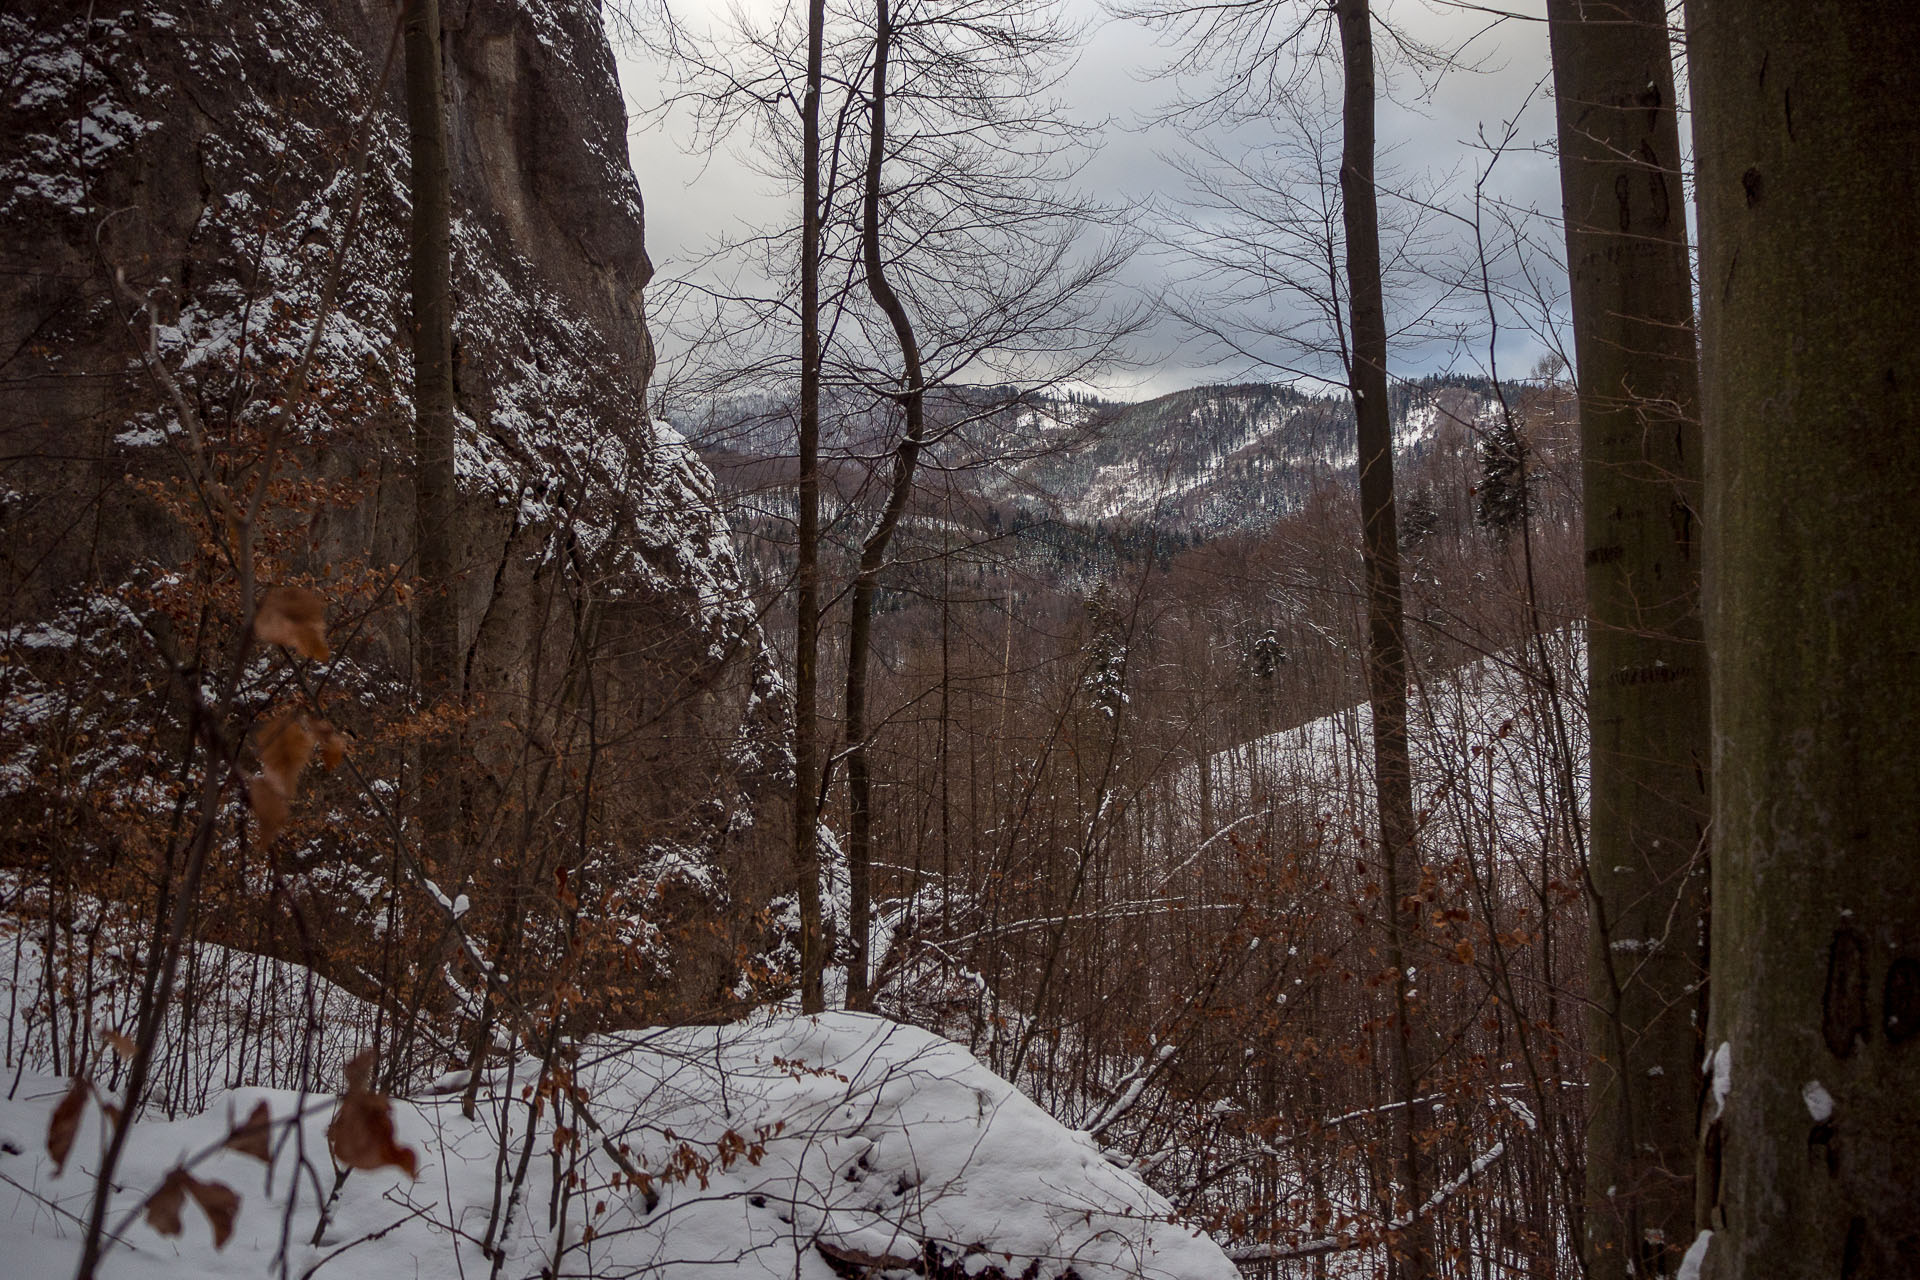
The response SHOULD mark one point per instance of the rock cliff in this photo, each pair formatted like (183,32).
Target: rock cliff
(179,180)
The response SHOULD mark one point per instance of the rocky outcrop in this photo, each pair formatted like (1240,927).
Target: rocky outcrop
(179,179)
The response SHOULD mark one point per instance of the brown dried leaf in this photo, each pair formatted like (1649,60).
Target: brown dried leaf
(253,1136)
(866,1263)
(163,1206)
(286,744)
(332,743)
(120,1042)
(221,1204)
(270,808)
(361,1135)
(359,1072)
(285,747)
(294,617)
(66,1122)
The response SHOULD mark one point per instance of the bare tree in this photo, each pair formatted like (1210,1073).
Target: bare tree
(1272,56)
(1632,303)
(961,229)
(806,804)
(1386,622)
(873,551)
(439,672)
(963,202)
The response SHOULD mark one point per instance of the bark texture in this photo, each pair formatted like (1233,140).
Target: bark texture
(1386,622)
(438,669)
(1632,298)
(1810,257)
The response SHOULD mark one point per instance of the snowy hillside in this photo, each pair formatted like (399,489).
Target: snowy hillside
(1485,740)
(782,1146)
(1224,458)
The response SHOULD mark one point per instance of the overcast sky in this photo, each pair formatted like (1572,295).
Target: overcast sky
(690,195)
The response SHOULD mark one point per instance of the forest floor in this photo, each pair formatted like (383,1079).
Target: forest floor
(786,1146)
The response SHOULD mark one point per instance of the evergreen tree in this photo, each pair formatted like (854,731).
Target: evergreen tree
(1501,495)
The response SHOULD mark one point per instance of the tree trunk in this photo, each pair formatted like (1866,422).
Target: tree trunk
(1810,288)
(1386,627)
(874,551)
(806,804)
(439,674)
(1625,211)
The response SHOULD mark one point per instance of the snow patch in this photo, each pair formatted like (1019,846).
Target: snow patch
(1719,1070)
(1695,1259)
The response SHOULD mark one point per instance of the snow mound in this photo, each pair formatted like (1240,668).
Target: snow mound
(810,1148)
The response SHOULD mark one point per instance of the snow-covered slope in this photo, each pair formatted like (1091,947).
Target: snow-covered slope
(1486,739)
(805,1148)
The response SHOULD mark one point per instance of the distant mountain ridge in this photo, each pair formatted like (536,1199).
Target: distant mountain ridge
(1223,459)
(1200,463)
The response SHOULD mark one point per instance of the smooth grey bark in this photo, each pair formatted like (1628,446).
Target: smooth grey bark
(873,551)
(1810,302)
(806,730)
(1632,300)
(1386,624)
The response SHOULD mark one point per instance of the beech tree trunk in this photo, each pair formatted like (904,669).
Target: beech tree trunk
(1386,624)
(873,552)
(806,802)
(1632,296)
(1810,299)
(438,672)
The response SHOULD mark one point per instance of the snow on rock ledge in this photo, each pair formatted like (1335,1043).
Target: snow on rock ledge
(843,1145)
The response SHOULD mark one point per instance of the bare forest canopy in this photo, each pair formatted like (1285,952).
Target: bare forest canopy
(516,765)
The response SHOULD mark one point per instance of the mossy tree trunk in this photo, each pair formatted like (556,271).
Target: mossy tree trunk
(1810,308)
(1632,301)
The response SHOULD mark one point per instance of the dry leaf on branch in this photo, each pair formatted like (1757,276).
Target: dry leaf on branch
(221,1204)
(253,1136)
(66,1122)
(332,743)
(294,617)
(285,747)
(218,1201)
(120,1042)
(269,807)
(361,1135)
(163,1206)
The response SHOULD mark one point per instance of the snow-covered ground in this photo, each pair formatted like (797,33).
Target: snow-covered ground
(781,1146)
(1485,740)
